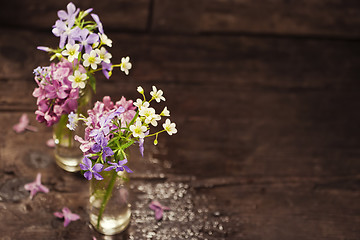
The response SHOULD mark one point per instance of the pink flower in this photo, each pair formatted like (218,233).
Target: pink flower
(54,94)
(158,208)
(67,215)
(36,186)
(85,145)
(24,125)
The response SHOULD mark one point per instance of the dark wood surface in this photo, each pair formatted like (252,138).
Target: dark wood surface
(265,97)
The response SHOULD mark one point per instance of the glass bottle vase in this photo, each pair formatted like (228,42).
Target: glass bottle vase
(67,152)
(109,208)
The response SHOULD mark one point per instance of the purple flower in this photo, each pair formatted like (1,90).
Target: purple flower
(91,170)
(119,166)
(98,22)
(104,130)
(87,11)
(65,31)
(101,145)
(67,215)
(37,71)
(36,186)
(158,209)
(45,49)
(106,69)
(86,40)
(70,14)
(117,113)
(141,146)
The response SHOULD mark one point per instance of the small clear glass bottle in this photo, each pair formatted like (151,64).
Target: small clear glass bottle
(67,152)
(109,207)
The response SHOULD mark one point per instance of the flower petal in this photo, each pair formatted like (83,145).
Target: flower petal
(98,167)
(98,176)
(158,214)
(88,175)
(58,214)
(127,169)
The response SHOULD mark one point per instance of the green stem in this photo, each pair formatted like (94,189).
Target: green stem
(70,136)
(107,196)
(157,133)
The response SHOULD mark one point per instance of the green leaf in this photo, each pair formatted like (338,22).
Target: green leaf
(128,144)
(92,82)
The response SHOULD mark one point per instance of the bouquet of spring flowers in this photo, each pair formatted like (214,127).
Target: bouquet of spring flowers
(111,128)
(82,51)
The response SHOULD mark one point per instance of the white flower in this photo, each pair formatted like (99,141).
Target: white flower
(104,55)
(165,112)
(105,40)
(91,59)
(139,103)
(153,119)
(138,129)
(125,65)
(78,79)
(140,89)
(169,127)
(157,95)
(146,111)
(150,115)
(72,51)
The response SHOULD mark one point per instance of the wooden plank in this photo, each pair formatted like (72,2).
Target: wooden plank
(306,17)
(244,62)
(119,14)
(280,211)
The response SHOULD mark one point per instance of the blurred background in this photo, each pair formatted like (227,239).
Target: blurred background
(265,95)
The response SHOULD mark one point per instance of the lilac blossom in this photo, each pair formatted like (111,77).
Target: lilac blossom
(98,22)
(36,186)
(56,90)
(37,71)
(73,119)
(119,166)
(117,113)
(91,170)
(158,209)
(54,93)
(104,130)
(67,215)
(85,145)
(129,113)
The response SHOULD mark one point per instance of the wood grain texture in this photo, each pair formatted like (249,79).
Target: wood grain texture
(306,17)
(37,14)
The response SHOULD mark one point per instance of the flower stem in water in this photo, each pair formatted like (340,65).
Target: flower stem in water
(107,196)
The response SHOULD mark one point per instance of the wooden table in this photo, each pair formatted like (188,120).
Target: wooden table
(266,100)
